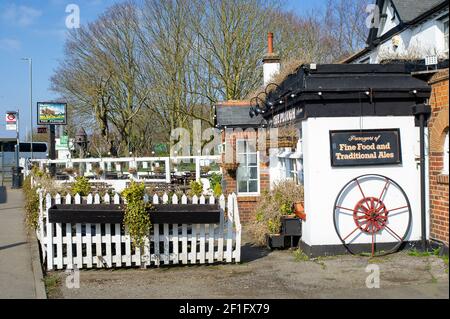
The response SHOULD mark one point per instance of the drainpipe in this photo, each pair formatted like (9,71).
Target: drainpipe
(422,113)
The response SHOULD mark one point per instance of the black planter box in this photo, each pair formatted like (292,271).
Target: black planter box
(112,214)
(291,226)
(277,241)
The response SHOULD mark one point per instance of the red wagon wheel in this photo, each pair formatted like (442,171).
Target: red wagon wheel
(372,215)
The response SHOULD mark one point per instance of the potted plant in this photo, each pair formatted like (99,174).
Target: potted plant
(275,220)
(299,210)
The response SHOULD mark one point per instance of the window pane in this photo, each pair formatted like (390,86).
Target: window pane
(241,158)
(242,187)
(240,173)
(251,146)
(253,186)
(253,173)
(240,147)
(252,159)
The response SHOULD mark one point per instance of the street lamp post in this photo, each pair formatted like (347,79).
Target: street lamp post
(30,64)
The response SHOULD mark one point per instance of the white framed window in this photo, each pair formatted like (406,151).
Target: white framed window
(290,170)
(247,175)
(295,172)
(446,155)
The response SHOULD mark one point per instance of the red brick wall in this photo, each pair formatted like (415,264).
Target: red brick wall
(247,204)
(438,127)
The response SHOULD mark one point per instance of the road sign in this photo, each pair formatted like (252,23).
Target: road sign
(62,143)
(11,121)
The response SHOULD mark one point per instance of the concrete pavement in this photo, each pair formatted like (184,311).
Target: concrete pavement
(19,277)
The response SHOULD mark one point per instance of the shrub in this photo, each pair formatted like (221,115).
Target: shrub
(44,181)
(214,179)
(217,190)
(31,204)
(81,186)
(136,218)
(196,188)
(273,205)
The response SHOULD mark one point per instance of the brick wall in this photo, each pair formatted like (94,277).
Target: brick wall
(247,204)
(438,127)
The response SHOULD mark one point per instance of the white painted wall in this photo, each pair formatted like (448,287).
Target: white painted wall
(323,182)
(423,39)
(390,21)
(270,69)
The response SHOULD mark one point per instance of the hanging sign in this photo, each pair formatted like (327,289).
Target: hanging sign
(287,116)
(11,121)
(365,147)
(51,113)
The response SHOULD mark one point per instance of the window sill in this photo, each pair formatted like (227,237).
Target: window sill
(248,196)
(442,179)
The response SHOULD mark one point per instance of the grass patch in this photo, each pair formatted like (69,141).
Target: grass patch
(417,253)
(299,255)
(445,259)
(51,282)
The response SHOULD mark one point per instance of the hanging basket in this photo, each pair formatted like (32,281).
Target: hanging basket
(283,141)
(287,137)
(229,166)
(287,141)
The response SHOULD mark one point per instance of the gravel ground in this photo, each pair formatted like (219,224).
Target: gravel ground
(266,274)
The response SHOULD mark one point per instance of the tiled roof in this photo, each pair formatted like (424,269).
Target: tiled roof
(411,9)
(236,115)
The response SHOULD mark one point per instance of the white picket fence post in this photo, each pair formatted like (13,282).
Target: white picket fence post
(166,243)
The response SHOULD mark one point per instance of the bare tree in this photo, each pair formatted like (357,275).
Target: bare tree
(141,70)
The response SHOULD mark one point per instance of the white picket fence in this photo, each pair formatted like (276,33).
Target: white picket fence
(69,245)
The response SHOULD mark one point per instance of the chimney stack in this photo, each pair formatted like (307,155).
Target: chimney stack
(271,61)
(270,43)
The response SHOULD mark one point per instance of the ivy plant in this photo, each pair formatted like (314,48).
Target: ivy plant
(136,218)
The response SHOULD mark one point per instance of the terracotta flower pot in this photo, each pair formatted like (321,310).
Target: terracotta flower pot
(299,210)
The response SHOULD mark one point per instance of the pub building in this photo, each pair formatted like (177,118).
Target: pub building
(358,151)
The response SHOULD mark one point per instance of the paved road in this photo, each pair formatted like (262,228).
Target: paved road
(16,272)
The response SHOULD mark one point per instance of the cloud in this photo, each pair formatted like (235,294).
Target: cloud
(8,44)
(21,16)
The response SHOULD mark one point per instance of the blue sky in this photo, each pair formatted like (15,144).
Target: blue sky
(36,29)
